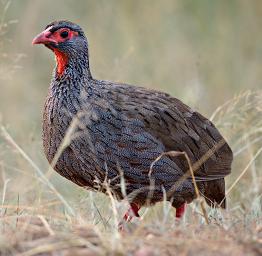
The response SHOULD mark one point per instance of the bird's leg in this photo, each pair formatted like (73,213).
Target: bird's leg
(180,211)
(131,212)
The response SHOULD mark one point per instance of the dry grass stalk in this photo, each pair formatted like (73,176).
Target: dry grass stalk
(243,172)
(10,140)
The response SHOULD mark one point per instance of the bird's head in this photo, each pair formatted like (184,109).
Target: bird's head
(67,40)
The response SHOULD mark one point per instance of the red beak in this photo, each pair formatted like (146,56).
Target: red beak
(44,38)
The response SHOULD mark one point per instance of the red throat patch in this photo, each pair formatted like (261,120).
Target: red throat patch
(62,60)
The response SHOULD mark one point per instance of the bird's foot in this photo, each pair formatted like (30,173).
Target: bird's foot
(180,211)
(132,212)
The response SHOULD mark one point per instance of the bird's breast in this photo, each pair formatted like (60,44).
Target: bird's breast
(56,120)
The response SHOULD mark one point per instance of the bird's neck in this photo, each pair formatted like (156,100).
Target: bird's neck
(68,65)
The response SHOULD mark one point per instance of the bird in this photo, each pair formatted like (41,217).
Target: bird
(115,138)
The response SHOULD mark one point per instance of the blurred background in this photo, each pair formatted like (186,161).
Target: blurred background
(203,52)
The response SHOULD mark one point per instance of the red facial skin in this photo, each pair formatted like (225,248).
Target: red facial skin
(61,60)
(50,39)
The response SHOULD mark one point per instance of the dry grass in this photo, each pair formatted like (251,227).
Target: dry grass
(32,236)
(47,224)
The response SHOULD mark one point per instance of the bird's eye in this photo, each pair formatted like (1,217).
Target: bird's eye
(64,34)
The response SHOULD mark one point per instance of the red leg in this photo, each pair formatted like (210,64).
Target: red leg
(180,211)
(132,212)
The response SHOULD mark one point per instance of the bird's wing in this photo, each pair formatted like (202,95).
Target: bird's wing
(178,128)
(118,144)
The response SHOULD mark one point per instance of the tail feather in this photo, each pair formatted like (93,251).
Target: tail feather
(215,193)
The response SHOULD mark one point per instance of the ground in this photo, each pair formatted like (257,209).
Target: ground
(38,235)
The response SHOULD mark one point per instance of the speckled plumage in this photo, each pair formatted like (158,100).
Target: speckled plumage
(118,130)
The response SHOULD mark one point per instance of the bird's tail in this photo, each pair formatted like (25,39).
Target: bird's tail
(214,193)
